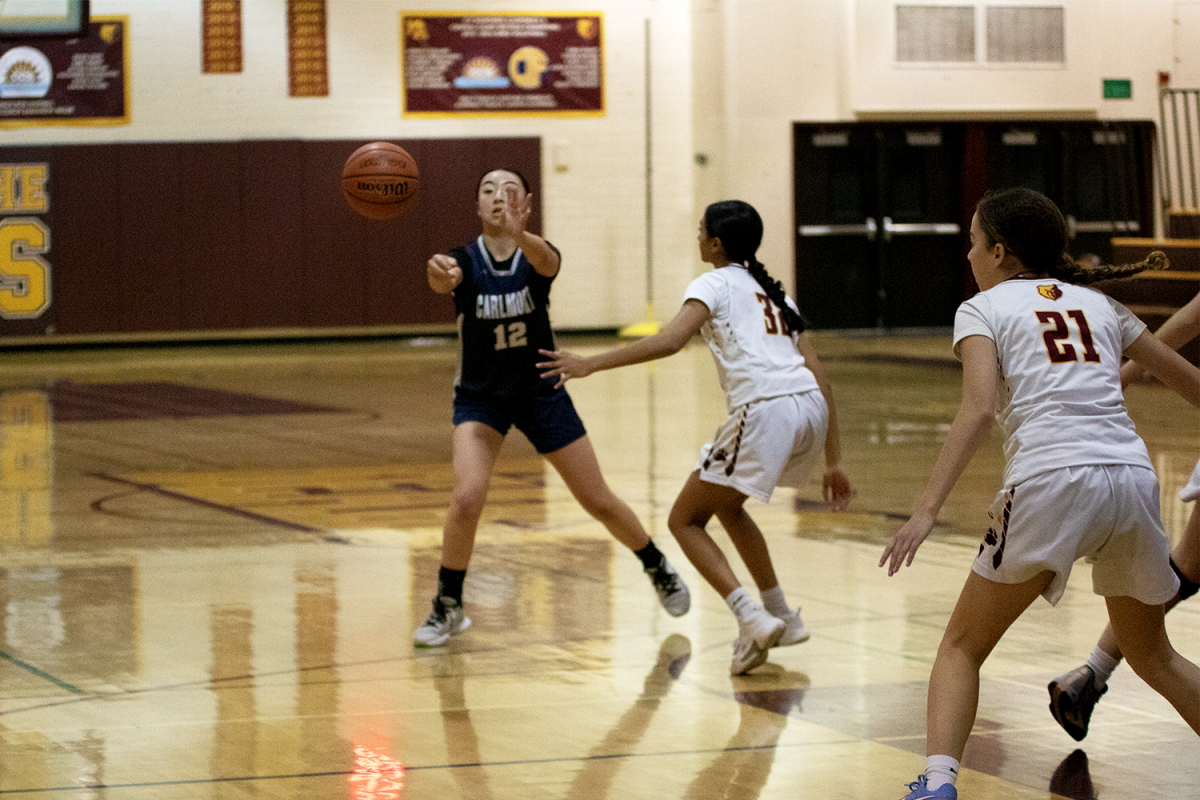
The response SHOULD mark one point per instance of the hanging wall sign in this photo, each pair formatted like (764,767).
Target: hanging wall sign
(308,51)
(511,64)
(221,36)
(60,81)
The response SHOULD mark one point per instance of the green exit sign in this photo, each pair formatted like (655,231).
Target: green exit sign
(1118,89)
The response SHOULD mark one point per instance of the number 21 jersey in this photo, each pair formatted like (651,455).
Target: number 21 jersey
(1060,401)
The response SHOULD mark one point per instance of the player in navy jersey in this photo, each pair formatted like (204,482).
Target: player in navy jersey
(1041,355)
(781,420)
(501,287)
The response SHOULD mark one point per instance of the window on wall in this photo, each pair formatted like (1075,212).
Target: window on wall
(946,34)
(935,33)
(1024,34)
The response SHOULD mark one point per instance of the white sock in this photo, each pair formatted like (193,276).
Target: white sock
(940,770)
(1103,665)
(774,601)
(741,605)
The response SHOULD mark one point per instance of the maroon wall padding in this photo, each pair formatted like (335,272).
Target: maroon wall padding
(190,237)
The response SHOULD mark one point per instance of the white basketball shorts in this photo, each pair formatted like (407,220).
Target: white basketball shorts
(767,443)
(1107,514)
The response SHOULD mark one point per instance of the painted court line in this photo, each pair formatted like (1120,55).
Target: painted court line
(46,676)
(196,501)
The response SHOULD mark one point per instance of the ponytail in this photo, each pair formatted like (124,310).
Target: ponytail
(739,227)
(1069,270)
(774,290)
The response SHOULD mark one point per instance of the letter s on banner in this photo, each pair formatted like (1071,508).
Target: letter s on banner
(24,274)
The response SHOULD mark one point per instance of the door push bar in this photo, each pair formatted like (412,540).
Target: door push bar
(1075,226)
(890,229)
(868,229)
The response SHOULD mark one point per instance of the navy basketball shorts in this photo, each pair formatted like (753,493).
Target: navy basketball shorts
(548,420)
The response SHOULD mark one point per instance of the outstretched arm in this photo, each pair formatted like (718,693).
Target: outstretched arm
(975,415)
(514,216)
(835,485)
(668,341)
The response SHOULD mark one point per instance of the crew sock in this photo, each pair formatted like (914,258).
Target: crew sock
(774,601)
(651,556)
(940,770)
(740,604)
(450,583)
(1102,665)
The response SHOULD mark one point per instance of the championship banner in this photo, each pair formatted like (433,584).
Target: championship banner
(308,58)
(221,36)
(511,64)
(57,81)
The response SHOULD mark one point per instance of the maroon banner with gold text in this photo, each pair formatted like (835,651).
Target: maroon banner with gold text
(61,81)
(511,64)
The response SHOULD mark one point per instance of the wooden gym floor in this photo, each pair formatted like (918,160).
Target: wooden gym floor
(213,559)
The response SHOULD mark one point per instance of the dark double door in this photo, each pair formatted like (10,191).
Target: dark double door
(883,209)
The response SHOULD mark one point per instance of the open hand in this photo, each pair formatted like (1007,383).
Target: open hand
(515,212)
(904,543)
(836,488)
(564,366)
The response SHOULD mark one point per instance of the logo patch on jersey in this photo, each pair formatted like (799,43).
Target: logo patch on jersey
(1050,292)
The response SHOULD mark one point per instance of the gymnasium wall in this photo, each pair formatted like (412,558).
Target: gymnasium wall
(728,79)
(239,238)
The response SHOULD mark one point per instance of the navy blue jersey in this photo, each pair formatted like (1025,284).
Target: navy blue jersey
(503,320)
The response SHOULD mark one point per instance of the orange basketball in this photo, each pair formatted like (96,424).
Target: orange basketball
(380,180)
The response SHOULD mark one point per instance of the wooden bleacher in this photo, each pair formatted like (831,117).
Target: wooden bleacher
(1154,296)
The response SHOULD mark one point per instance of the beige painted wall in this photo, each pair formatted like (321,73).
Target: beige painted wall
(729,79)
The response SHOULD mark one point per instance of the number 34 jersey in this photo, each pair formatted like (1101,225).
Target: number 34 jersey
(1060,401)
(756,355)
(503,320)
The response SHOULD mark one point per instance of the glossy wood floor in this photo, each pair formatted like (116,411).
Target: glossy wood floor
(213,559)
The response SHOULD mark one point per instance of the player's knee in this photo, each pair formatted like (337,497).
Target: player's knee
(603,506)
(468,501)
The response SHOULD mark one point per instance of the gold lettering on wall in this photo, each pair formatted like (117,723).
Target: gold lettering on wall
(222,36)
(308,68)
(24,273)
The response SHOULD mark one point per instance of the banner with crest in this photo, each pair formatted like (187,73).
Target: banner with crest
(510,64)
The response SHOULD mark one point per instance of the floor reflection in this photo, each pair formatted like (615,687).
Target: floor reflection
(596,776)
(744,766)
(26,469)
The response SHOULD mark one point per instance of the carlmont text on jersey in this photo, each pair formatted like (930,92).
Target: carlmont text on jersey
(501,306)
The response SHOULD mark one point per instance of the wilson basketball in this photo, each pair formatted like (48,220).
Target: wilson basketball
(380,180)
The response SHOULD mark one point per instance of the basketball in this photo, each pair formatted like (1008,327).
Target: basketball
(380,180)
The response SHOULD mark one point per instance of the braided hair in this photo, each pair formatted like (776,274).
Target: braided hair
(740,229)
(1032,228)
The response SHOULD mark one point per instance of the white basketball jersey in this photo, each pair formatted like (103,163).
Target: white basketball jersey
(755,353)
(1060,401)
